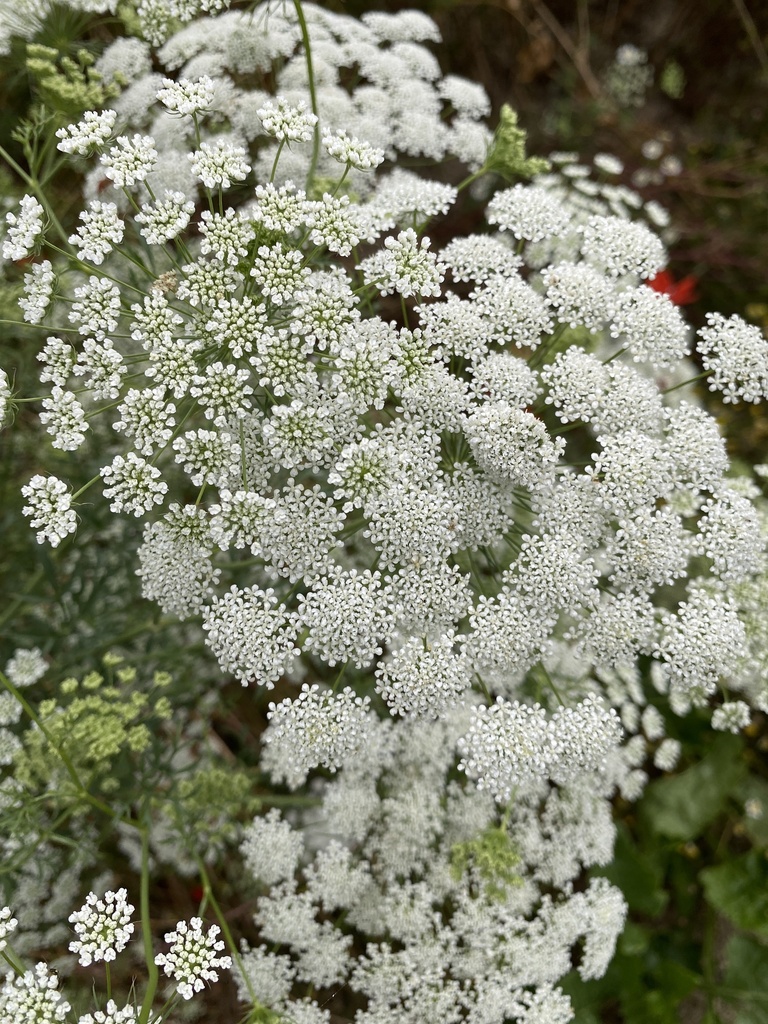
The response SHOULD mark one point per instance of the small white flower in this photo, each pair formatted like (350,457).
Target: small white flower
(38,288)
(26,666)
(133,484)
(219,163)
(528,212)
(130,160)
(319,727)
(49,503)
(286,122)
(351,151)
(24,229)
(405,265)
(193,958)
(100,231)
(111,1015)
(103,927)
(32,996)
(187,96)
(64,418)
(93,131)
(165,219)
(736,354)
(252,635)
(733,716)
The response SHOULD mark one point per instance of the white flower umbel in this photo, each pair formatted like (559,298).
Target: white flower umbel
(38,290)
(101,230)
(33,997)
(280,209)
(187,97)
(64,418)
(583,737)
(133,484)
(58,359)
(286,122)
(219,163)
(514,313)
(26,667)
(129,161)
(332,224)
(97,309)
(528,212)
(424,677)
(729,534)
(511,445)
(252,635)
(147,417)
(226,236)
(271,848)
(89,134)
(406,266)
(620,247)
(508,745)
(736,355)
(579,295)
(175,561)
(278,272)
(351,151)
(318,727)
(652,326)
(193,957)
(23,229)
(103,927)
(348,615)
(166,218)
(701,643)
(733,716)
(49,503)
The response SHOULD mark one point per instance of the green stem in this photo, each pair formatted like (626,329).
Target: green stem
(225,929)
(9,957)
(146,928)
(691,380)
(277,158)
(312,93)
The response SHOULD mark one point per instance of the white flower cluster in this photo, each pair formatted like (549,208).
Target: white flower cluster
(103,927)
(477,507)
(193,957)
(459,891)
(509,745)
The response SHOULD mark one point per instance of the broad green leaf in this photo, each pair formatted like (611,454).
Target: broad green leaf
(745,984)
(739,890)
(680,807)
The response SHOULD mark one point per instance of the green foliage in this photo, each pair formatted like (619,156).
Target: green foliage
(97,727)
(215,798)
(681,806)
(492,856)
(738,889)
(66,84)
(746,979)
(506,155)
